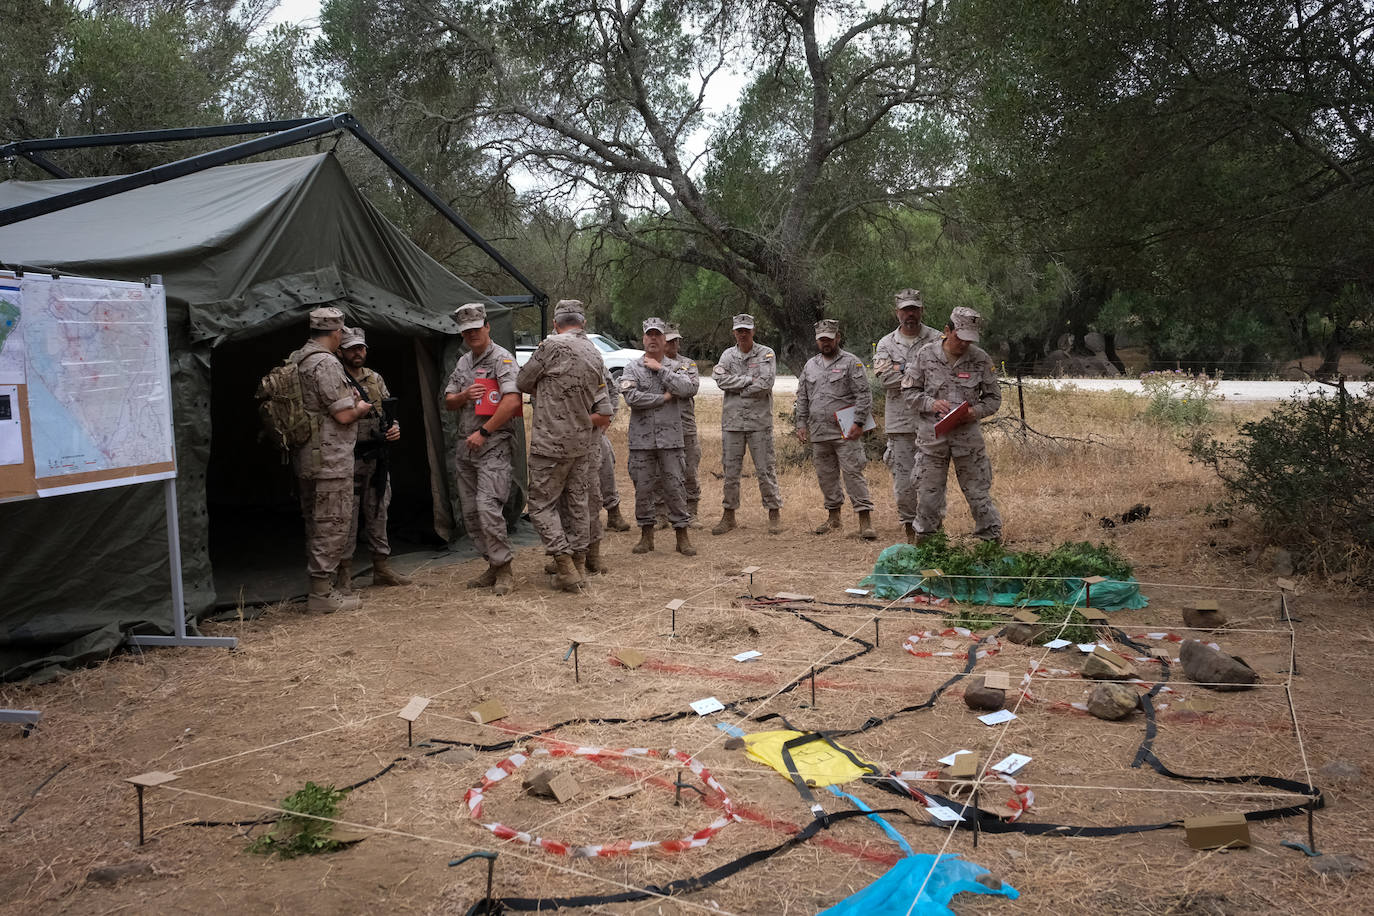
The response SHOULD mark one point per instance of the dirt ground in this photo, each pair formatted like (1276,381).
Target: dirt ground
(314,698)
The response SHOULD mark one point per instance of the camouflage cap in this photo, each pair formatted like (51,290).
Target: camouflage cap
(470,316)
(655,324)
(966,323)
(827,327)
(743,321)
(673,333)
(908,299)
(353,337)
(326,319)
(570,308)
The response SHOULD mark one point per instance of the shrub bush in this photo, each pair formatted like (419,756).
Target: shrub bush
(1306,470)
(1180,399)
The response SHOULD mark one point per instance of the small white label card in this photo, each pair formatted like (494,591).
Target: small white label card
(998,717)
(707,706)
(948,759)
(1011,763)
(943,813)
(1087,647)
(856,591)
(747,656)
(1058,644)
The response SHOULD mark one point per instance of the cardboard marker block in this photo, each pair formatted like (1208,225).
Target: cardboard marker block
(794,596)
(675,604)
(1287,585)
(965,766)
(563,787)
(998,680)
(488,711)
(1093,616)
(411,711)
(630,658)
(1093,580)
(1026,615)
(749,570)
(1111,658)
(1215,830)
(154,778)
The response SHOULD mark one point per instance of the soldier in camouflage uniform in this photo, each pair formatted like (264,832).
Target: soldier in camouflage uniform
(894,354)
(654,387)
(745,373)
(566,379)
(485,375)
(830,381)
(324,465)
(371,480)
(691,445)
(610,493)
(945,374)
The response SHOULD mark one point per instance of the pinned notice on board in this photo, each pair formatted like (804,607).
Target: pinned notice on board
(411,711)
(488,711)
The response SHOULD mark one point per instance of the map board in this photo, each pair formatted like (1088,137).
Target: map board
(85,387)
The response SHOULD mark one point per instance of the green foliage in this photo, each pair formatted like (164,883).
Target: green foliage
(1059,621)
(1180,399)
(302,833)
(1306,470)
(1031,574)
(973,620)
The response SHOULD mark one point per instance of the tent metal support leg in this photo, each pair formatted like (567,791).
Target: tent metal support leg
(179,637)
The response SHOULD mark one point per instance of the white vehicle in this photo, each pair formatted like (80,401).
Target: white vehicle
(613,354)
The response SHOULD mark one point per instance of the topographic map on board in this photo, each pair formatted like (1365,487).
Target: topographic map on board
(98,391)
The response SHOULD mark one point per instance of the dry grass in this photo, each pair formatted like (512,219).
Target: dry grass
(314,697)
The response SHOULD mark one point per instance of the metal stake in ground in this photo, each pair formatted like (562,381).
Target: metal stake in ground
(577,671)
(875,631)
(491,867)
(672,607)
(813,686)
(143,781)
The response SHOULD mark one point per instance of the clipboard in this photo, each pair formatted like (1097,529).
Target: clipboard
(491,396)
(952,420)
(845,418)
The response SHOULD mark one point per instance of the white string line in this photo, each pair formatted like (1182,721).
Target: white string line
(382,715)
(1030,578)
(978,780)
(1292,667)
(824,613)
(444,841)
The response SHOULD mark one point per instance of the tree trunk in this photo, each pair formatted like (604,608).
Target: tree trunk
(1110,338)
(1331,352)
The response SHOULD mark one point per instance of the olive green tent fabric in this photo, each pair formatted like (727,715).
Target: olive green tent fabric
(244,251)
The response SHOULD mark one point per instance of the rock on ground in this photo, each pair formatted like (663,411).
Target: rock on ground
(1215,670)
(1100,669)
(986,699)
(1111,701)
(1336,865)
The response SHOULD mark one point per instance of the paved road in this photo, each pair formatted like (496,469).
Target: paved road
(1231,390)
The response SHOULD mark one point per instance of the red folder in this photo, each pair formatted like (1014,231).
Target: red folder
(952,419)
(491,396)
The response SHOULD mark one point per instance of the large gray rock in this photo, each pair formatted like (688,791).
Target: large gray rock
(1100,669)
(1023,634)
(1215,670)
(1339,771)
(1195,619)
(1110,700)
(1336,865)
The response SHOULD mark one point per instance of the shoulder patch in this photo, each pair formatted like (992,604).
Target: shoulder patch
(768,356)
(507,361)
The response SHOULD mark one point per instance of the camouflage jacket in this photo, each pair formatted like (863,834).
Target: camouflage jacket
(894,354)
(747,381)
(826,386)
(494,363)
(566,379)
(325,388)
(654,422)
(935,377)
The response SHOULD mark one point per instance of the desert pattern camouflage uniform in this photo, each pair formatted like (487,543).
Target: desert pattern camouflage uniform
(369,502)
(825,386)
(324,466)
(484,476)
(566,379)
(894,354)
(934,376)
(656,447)
(746,420)
(604,475)
(691,445)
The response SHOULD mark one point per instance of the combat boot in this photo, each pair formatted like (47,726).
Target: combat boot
(661,522)
(615,521)
(684,544)
(567,578)
(324,598)
(910,532)
(775,521)
(726,523)
(646,540)
(832,523)
(595,563)
(694,522)
(486,580)
(343,577)
(505,582)
(383,574)
(580,564)
(551,566)
(866,525)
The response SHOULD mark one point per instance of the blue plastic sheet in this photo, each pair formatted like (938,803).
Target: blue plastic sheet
(893,893)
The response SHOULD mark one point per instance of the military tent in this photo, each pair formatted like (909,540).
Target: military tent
(245,251)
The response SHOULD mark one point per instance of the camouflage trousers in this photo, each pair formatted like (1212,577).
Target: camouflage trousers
(900,460)
(974,471)
(837,459)
(658,472)
(610,495)
(691,461)
(760,445)
(595,528)
(370,507)
(483,487)
(326,507)
(561,479)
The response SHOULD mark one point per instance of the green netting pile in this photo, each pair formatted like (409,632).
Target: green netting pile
(1026,577)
